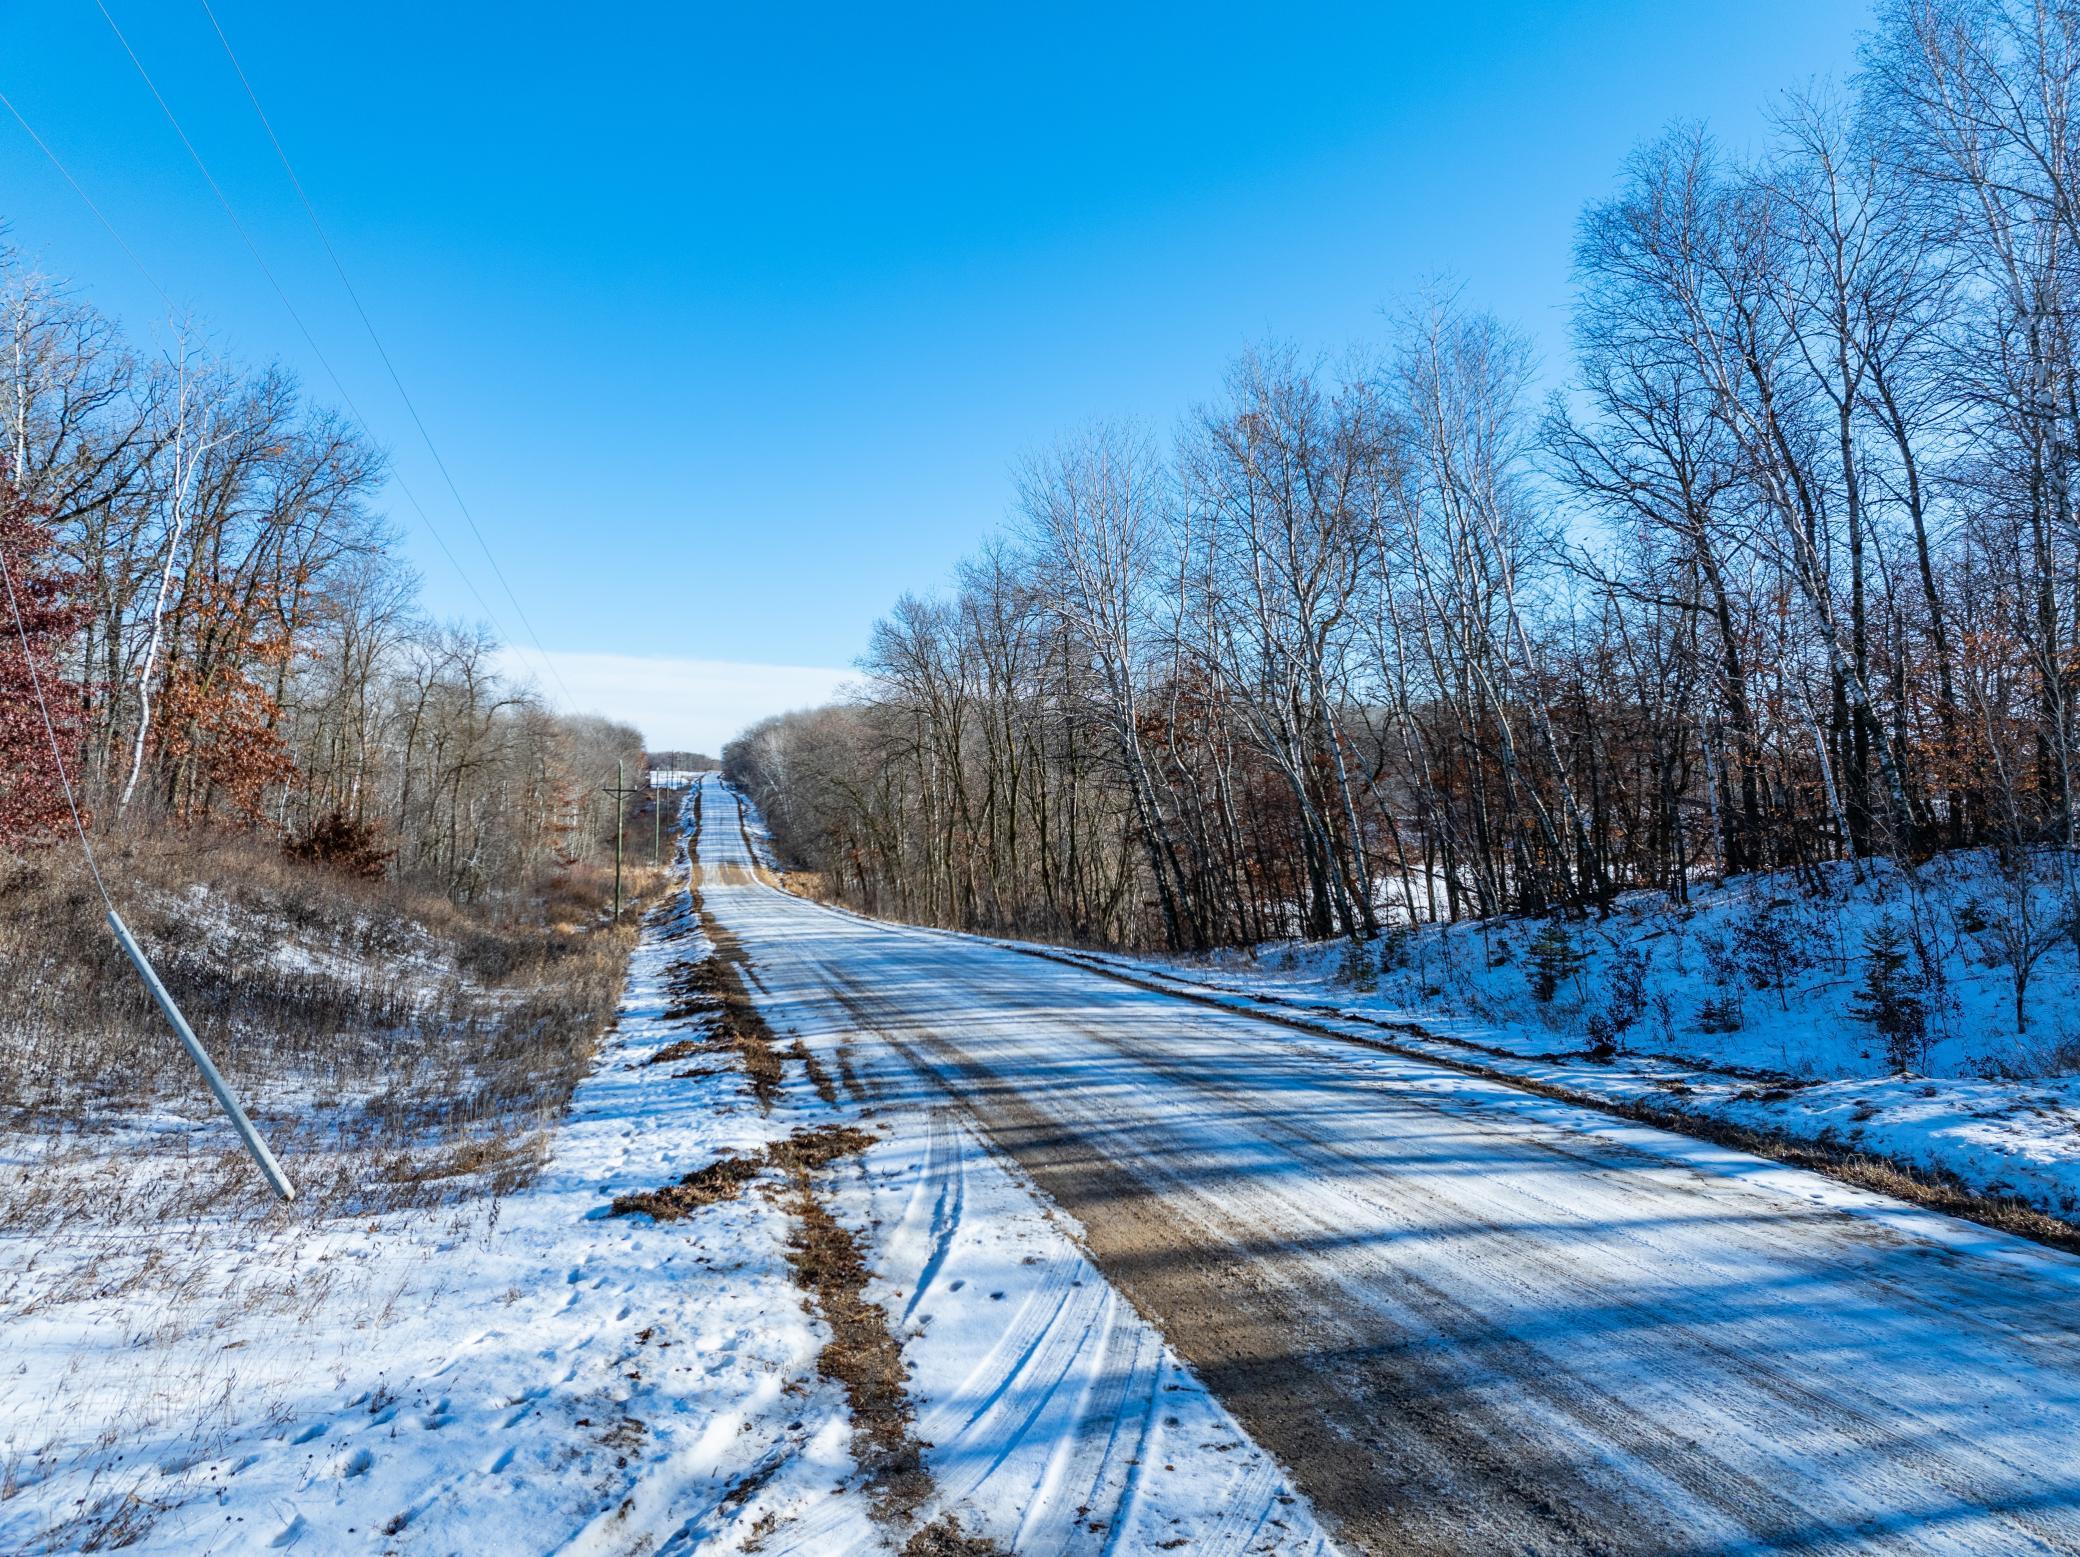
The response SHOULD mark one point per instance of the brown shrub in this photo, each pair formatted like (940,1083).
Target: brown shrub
(340,843)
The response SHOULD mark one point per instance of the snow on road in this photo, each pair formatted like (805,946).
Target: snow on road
(1469,1318)
(1995,1111)
(1164,1278)
(535,1374)
(1055,1418)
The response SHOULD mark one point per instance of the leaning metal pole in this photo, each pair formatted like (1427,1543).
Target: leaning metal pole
(277,1180)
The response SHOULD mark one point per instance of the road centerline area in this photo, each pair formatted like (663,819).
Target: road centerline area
(1459,1319)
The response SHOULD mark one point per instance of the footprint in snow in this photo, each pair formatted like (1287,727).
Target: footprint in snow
(294,1531)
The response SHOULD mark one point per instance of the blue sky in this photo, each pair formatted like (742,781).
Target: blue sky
(731,321)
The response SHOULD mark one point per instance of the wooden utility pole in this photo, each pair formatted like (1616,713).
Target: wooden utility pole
(621,791)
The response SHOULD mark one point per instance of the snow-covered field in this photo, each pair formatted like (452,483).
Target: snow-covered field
(530,1372)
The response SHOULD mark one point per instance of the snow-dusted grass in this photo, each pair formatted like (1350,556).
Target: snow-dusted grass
(157,1308)
(479,1376)
(393,1048)
(1742,1006)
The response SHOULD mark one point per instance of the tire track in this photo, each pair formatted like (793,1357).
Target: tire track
(1477,1441)
(1046,1351)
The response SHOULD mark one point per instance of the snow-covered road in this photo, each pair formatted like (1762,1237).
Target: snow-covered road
(1462,1317)
(1288,1292)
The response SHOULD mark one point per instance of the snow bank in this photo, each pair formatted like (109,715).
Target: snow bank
(1664,985)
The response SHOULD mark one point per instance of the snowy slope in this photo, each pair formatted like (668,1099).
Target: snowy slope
(1997,1110)
(484,1379)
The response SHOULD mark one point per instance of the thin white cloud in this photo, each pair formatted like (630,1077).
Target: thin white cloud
(692,705)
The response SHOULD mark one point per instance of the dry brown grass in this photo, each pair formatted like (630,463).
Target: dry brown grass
(863,1356)
(722,1179)
(810,884)
(725,1178)
(714,987)
(945,1538)
(805,1151)
(677,1049)
(397,1050)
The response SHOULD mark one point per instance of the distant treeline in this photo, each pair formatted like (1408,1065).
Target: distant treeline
(1789,570)
(683,762)
(227,634)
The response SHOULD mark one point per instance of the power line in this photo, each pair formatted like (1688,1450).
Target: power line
(368,324)
(66,174)
(403,486)
(317,351)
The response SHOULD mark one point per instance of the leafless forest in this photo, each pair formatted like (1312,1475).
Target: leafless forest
(360,850)
(1784,572)
(227,636)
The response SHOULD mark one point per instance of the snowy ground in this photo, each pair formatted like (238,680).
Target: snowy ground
(531,1373)
(1430,1310)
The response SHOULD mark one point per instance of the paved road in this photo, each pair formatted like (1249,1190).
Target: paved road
(1465,1319)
